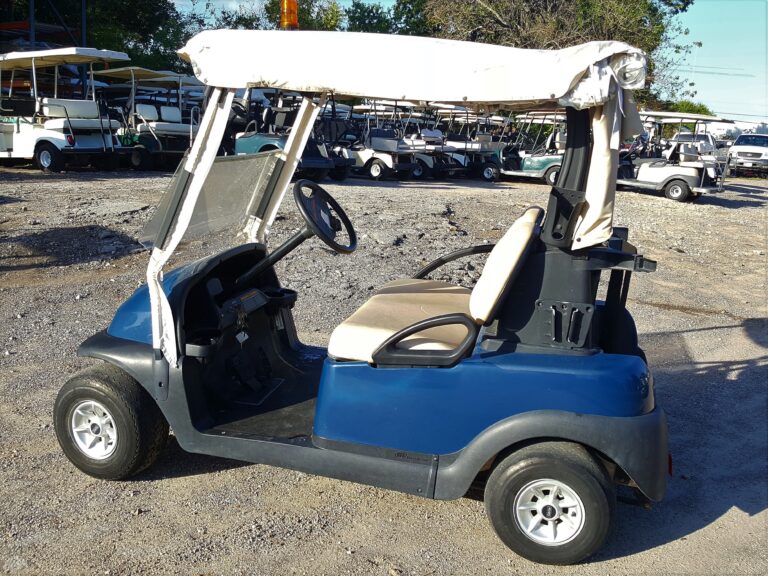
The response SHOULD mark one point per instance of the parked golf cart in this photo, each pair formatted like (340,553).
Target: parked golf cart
(537,150)
(378,148)
(36,124)
(433,157)
(267,126)
(528,387)
(475,149)
(688,167)
(157,127)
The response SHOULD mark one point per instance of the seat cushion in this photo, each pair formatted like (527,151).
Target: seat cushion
(395,306)
(147,112)
(61,108)
(170,114)
(81,124)
(166,128)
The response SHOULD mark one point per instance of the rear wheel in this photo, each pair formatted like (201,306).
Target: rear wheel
(141,158)
(421,171)
(376,169)
(107,424)
(677,190)
(490,172)
(550,176)
(550,502)
(49,158)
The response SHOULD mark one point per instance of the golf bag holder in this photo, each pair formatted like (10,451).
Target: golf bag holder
(553,305)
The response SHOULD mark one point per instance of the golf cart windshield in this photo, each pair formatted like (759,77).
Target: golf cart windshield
(232,198)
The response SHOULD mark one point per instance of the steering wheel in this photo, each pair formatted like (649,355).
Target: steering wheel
(324,216)
(239,110)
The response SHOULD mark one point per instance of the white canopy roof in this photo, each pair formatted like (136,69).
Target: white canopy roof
(490,75)
(131,72)
(58,57)
(675,117)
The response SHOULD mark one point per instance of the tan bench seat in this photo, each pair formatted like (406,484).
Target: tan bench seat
(395,306)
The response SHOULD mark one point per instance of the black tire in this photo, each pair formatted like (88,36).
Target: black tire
(141,429)
(141,158)
(490,172)
(315,174)
(421,171)
(339,174)
(677,190)
(550,176)
(571,466)
(376,169)
(49,158)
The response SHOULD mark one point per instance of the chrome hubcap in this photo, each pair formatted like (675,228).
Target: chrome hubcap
(488,173)
(45,159)
(553,178)
(675,191)
(549,512)
(93,430)
(375,170)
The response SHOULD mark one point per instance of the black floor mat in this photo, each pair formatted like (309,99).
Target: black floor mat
(291,421)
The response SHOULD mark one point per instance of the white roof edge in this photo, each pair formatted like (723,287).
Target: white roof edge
(465,73)
(59,56)
(663,114)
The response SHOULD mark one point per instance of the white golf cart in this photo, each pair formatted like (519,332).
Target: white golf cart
(157,126)
(434,158)
(476,148)
(35,123)
(380,151)
(527,386)
(688,166)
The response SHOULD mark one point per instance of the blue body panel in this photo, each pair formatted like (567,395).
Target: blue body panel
(440,410)
(133,320)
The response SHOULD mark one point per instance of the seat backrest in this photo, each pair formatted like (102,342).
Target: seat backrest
(688,153)
(504,263)
(170,114)
(61,108)
(147,112)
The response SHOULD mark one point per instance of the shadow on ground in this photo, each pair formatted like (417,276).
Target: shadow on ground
(717,427)
(62,247)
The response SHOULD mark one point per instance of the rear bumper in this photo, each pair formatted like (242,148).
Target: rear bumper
(403,166)
(315,163)
(95,151)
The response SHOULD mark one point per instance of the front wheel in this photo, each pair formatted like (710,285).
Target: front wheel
(49,158)
(677,190)
(550,503)
(107,424)
(376,169)
(421,171)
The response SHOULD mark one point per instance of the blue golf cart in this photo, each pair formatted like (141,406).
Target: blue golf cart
(527,387)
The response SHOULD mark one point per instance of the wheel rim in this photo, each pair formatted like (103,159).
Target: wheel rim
(549,512)
(375,170)
(418,171)
(553,177)
(46,159)
(675,191)
(489,173)
(93,430)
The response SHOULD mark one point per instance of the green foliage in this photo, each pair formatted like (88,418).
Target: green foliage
(689,107)
(364,17)
(409,17)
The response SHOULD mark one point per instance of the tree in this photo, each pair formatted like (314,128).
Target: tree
(363,17)
(410,18)
(689,107)
(646,24)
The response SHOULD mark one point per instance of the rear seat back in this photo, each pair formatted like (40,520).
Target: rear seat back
(170,114)
(61,108)
(147,112)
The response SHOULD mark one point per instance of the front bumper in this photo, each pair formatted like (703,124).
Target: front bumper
(749,163)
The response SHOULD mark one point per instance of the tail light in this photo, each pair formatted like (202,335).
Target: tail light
(70,140)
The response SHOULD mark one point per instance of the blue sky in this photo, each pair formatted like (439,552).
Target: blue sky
(730,70)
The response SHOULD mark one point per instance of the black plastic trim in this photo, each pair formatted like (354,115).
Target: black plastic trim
(637,444)
(442,260)
(388,354)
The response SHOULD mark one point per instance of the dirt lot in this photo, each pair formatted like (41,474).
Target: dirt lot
(68,257)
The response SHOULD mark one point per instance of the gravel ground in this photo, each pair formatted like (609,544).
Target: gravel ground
(68,257)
